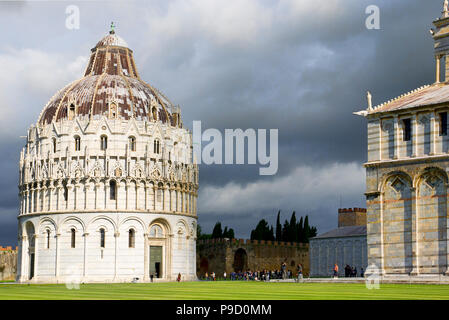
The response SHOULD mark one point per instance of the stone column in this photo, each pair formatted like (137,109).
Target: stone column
(97,188)
(69,196)
(146,270)
(32,200)
(414,136)
(23,261)
(85,234)
(86,195)
(57,255)
(415,242)
(43,202)
(116,235)
(127,194)
(137,194)
(25,201)
(75,196)
(447,230)
(146,196)
(432,133)
(154,197)
(50,197)
(396,137)
(36,256)
(438,67)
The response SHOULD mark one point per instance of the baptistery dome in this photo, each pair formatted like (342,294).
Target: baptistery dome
(108,185)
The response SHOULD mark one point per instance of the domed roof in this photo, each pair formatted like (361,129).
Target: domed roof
(111,87)
(112,40)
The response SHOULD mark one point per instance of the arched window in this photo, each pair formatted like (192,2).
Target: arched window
(73,234)
(156,232)
(54,145)
(131,238)
(132,143)
(113,110)
(102,238)
(103,142)
(48,239)
(112,190)
(154,113)
(71,111)
(156,146)
(77,143)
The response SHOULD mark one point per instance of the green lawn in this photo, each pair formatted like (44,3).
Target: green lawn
(224,290)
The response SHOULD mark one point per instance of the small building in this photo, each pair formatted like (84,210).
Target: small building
(343,246)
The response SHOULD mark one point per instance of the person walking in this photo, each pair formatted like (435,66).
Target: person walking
(335,271)
(299,270)
(284,271)
(224,275)
(179,277)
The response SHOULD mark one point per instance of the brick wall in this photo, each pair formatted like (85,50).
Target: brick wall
(351,217)
(8,263)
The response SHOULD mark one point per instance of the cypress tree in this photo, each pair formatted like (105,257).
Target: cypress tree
(300,230)
(292,226)
(306,229)
(278,227)
(217,232)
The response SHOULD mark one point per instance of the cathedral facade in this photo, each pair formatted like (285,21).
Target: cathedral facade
(108,186)
(407,174)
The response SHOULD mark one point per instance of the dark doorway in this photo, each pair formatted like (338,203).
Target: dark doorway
(156,261)
(240,260)
(31,266)
(157,266)
(204,266)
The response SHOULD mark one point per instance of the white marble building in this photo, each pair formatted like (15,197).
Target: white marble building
(108,187)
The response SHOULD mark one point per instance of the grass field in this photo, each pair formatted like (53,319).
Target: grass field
(224,290)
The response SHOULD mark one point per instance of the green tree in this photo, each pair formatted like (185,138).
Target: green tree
(262,231)
(292,232)
(278,227)
(230,234)
(217,232)
(285,230)
(200,235)
(300,231)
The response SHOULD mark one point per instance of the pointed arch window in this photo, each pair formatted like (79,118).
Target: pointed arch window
(72,237)
(77,143)
(54,145)
(102,237)
(154,113)
(132,238)
(72,112)
(103,142)
(132,143)
(112,190)
(157,146)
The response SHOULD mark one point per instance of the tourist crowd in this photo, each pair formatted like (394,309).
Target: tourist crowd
(264,275)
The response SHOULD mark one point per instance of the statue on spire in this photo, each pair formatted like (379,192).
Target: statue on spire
(446,9)
(112,27)
(369,100)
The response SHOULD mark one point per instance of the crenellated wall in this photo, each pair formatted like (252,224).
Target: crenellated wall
(8,263)
(219,255)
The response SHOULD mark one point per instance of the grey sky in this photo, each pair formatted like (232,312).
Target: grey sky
(300,66)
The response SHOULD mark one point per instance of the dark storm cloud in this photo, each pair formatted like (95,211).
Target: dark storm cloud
(300,66)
